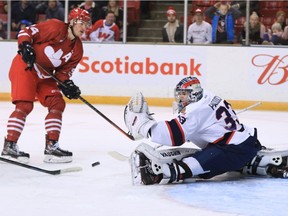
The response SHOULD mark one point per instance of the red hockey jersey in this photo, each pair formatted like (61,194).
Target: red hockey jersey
(54,50)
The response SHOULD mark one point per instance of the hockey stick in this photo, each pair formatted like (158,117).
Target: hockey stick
(249,107)
(51,172)
(88,104)
(118,156)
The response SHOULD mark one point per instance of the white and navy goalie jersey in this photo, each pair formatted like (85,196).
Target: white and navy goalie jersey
(210,120)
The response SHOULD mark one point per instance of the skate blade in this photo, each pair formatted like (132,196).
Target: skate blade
(55,159)
(24,160)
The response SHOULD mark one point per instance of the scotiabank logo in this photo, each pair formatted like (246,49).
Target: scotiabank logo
(274,69)
(148,66)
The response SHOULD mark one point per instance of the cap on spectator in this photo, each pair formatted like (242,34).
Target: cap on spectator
(198,11)
(171,11)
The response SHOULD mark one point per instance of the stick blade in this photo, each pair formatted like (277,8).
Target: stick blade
(71,169)
(116,155)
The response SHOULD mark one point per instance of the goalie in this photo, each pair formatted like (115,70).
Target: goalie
(210,123)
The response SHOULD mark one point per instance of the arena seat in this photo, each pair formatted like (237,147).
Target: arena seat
(1,7)
(13,35)
(271,4)
(268,12)
(270,8)
(189,19)
(267,21)
(133,11)
(3,17)
(204,3)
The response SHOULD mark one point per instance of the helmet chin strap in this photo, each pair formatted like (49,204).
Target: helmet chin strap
(72,30)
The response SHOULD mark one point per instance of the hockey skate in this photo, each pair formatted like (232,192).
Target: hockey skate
(269,162)
(54,154)
(11,152)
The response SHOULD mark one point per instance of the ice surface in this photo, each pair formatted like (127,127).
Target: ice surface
(107,190)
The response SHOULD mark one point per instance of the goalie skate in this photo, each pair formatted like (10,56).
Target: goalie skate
(141,170)
(269,162)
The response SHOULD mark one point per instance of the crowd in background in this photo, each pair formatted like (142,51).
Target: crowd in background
(223,22)
(210,22)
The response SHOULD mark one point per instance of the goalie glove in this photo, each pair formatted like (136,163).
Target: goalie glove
(137,117)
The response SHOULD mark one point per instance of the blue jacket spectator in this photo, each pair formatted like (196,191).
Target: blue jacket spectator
(223,18)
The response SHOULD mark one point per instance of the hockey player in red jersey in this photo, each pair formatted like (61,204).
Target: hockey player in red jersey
(48,47)
(209,122)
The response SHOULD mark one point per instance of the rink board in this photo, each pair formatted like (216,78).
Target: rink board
(111,73)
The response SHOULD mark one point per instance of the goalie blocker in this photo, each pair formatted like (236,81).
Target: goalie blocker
(165,165)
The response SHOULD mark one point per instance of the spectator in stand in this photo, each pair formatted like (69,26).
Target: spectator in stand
(223,17)
(256,30)
(104,30)
(22,10)
(118,12)
(40,6)
(3,7)
(93,8)
(280,17)
(74,4)
(55,10)
(3,34)
(278,37)
(199,32)
(23,24)
(172,31)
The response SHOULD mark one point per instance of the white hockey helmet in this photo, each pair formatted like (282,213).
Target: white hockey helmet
(191,87)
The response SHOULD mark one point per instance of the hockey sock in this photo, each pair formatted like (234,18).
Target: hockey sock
(16,121)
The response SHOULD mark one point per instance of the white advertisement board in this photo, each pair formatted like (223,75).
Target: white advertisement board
(235,73)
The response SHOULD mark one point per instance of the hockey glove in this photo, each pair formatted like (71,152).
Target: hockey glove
(28,54)
(137,117)
(70,90)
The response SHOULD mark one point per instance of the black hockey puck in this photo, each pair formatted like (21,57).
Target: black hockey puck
(96,163)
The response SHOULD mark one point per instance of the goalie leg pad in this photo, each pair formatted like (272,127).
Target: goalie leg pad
(165,154)
(163,166)
(178,171)
(268,162)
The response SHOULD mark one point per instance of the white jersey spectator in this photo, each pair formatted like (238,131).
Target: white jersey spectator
(104,30)
(199,32)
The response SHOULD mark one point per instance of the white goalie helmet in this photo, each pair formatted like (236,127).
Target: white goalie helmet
(187,91)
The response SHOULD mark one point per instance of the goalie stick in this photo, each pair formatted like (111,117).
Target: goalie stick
(118,156)
(51,172)
(88,104)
